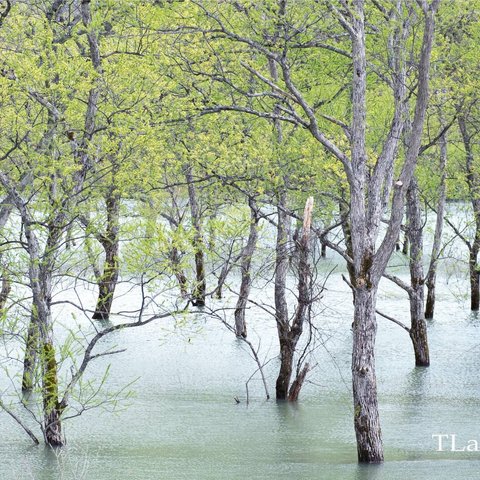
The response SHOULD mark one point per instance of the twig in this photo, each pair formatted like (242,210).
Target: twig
(27,430)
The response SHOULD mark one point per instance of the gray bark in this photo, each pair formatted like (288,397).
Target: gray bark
(42,261)
(369,265)
(430,280)
(289,332)
(369,188)
(418,329)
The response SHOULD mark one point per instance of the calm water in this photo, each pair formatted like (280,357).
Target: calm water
(183,421)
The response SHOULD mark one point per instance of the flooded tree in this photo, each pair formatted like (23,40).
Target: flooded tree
(369,186)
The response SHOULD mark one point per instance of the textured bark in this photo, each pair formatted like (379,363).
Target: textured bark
(290,333)
(246,282)
(110,243)
(370,183)
(297,384)
(430,280)
(200,287)
(366,416)
(368,262)
(282,257)
(418,329)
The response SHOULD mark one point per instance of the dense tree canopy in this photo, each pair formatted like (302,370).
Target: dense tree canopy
(168,148)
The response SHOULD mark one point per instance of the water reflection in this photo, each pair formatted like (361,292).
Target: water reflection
(370,472)
(417,385)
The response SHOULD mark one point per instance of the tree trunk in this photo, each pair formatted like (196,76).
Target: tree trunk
(30,358)
(281,308)
(289,334)
(305,298)
(366,417)
(5,292)
(199,290)
(246,283)
(405,245)
(297,384)
(437,238)
(110,243)
(287,351)
(474,283)
(418,330)
(52,427)
(178,271)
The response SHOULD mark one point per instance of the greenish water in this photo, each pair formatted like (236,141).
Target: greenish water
(183,421)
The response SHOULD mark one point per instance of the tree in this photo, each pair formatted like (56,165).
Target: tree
(278,41)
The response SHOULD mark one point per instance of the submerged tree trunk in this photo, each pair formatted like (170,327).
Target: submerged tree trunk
(474,280)
(366,416)
(52,427)
(246,282)
(110,243)
(297,384)
(200,287)
(418,329)
(305,298)
(282,257)
(430,280)
(289,334)
(473,183)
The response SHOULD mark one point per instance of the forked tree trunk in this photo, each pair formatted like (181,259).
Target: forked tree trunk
(246,283)
(110,243)
(418,329)
(297,384)
(290,333)
(305,298)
